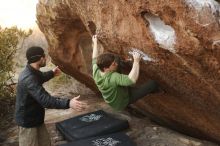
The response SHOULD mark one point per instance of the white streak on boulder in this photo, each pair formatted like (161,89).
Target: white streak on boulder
(200,4)
(163,34)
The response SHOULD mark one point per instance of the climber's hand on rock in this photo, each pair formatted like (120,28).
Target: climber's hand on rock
(136,56)
(94,39)
(76,104)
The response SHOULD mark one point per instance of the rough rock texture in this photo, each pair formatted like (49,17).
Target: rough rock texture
(180,41)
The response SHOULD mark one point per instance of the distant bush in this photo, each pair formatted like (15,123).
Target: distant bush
(9,39)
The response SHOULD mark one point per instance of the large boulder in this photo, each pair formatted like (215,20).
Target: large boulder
(180,42)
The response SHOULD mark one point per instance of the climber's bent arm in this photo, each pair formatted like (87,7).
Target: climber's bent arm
(134,73)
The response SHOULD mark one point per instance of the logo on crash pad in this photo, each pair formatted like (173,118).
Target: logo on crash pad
(105,142)
(91,118)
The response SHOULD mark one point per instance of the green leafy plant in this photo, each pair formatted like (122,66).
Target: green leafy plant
(9,40)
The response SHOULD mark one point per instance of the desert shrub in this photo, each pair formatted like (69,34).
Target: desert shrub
(9,40)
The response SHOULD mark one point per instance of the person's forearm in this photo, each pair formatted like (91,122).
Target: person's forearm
(134,73)
(95,50)
(47,76)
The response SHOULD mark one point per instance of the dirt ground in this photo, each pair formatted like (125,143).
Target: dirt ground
(142,131)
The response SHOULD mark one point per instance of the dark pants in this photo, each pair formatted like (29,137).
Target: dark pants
(136,93)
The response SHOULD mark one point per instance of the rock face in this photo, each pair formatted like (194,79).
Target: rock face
(179,40)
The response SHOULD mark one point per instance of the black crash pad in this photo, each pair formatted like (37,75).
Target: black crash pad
(116,139)
(90,125)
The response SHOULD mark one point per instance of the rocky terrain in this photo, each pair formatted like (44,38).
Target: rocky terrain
(179,40)
(142,131)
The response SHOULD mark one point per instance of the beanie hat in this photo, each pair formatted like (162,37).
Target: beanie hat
(33,54)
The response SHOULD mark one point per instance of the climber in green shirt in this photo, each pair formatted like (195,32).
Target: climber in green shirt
(117,88)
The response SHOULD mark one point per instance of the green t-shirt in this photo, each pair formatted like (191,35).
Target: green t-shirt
(113,86)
